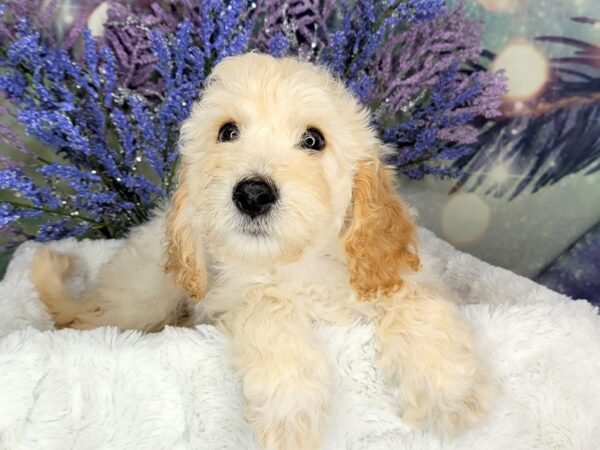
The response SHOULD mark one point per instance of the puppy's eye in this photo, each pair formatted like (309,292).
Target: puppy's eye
(312,139)
(229,132)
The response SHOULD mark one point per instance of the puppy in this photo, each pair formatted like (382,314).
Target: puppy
(284,217)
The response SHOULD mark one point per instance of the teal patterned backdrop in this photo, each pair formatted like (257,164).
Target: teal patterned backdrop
(531,199)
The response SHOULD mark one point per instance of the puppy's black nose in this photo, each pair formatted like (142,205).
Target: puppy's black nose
(254,196)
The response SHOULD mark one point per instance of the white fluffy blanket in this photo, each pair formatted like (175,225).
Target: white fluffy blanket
(176,390)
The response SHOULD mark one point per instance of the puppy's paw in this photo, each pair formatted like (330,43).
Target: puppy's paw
(285,374)
(287,399)
(292,417)
(49,272)
(296,430)
(450,406)
(427,350)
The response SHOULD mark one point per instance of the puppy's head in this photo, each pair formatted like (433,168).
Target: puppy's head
(278,157)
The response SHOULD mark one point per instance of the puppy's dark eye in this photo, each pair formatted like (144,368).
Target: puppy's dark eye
(312,139)
(229,132)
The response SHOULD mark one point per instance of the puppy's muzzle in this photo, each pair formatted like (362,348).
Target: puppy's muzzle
(254,196)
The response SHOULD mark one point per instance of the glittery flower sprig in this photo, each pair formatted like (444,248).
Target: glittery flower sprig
(114,146)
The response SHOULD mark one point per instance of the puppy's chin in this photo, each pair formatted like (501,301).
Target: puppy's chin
(254,228)
(255,248)
(253,245)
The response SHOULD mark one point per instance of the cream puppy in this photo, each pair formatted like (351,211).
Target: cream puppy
(285,217)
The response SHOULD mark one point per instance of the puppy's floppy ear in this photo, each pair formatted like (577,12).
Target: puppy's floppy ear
(381,240)
(184,253)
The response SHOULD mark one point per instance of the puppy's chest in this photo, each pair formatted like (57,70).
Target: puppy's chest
(324,273)
(318,285)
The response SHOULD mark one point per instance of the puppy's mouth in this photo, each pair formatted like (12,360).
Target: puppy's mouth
(254,231)
(256,227)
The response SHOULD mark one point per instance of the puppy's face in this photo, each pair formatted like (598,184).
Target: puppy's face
(269,155)
(278,158)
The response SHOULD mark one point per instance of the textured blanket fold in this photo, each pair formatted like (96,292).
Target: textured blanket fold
(176,389)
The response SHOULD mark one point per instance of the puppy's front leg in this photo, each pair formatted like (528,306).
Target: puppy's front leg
(284,372)
(426,348)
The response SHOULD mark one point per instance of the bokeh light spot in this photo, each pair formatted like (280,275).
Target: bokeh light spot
(465,217)
(526,68)
(498,5)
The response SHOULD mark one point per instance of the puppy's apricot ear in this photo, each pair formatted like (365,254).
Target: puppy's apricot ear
(381,240)
(183,251)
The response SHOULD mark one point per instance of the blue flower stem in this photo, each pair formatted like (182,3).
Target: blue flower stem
(388,12)
(24,71)
(414,162)
(57,212)
(171,175)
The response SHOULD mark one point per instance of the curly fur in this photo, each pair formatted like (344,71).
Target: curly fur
(337,235)
(181,250)
(381,240)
